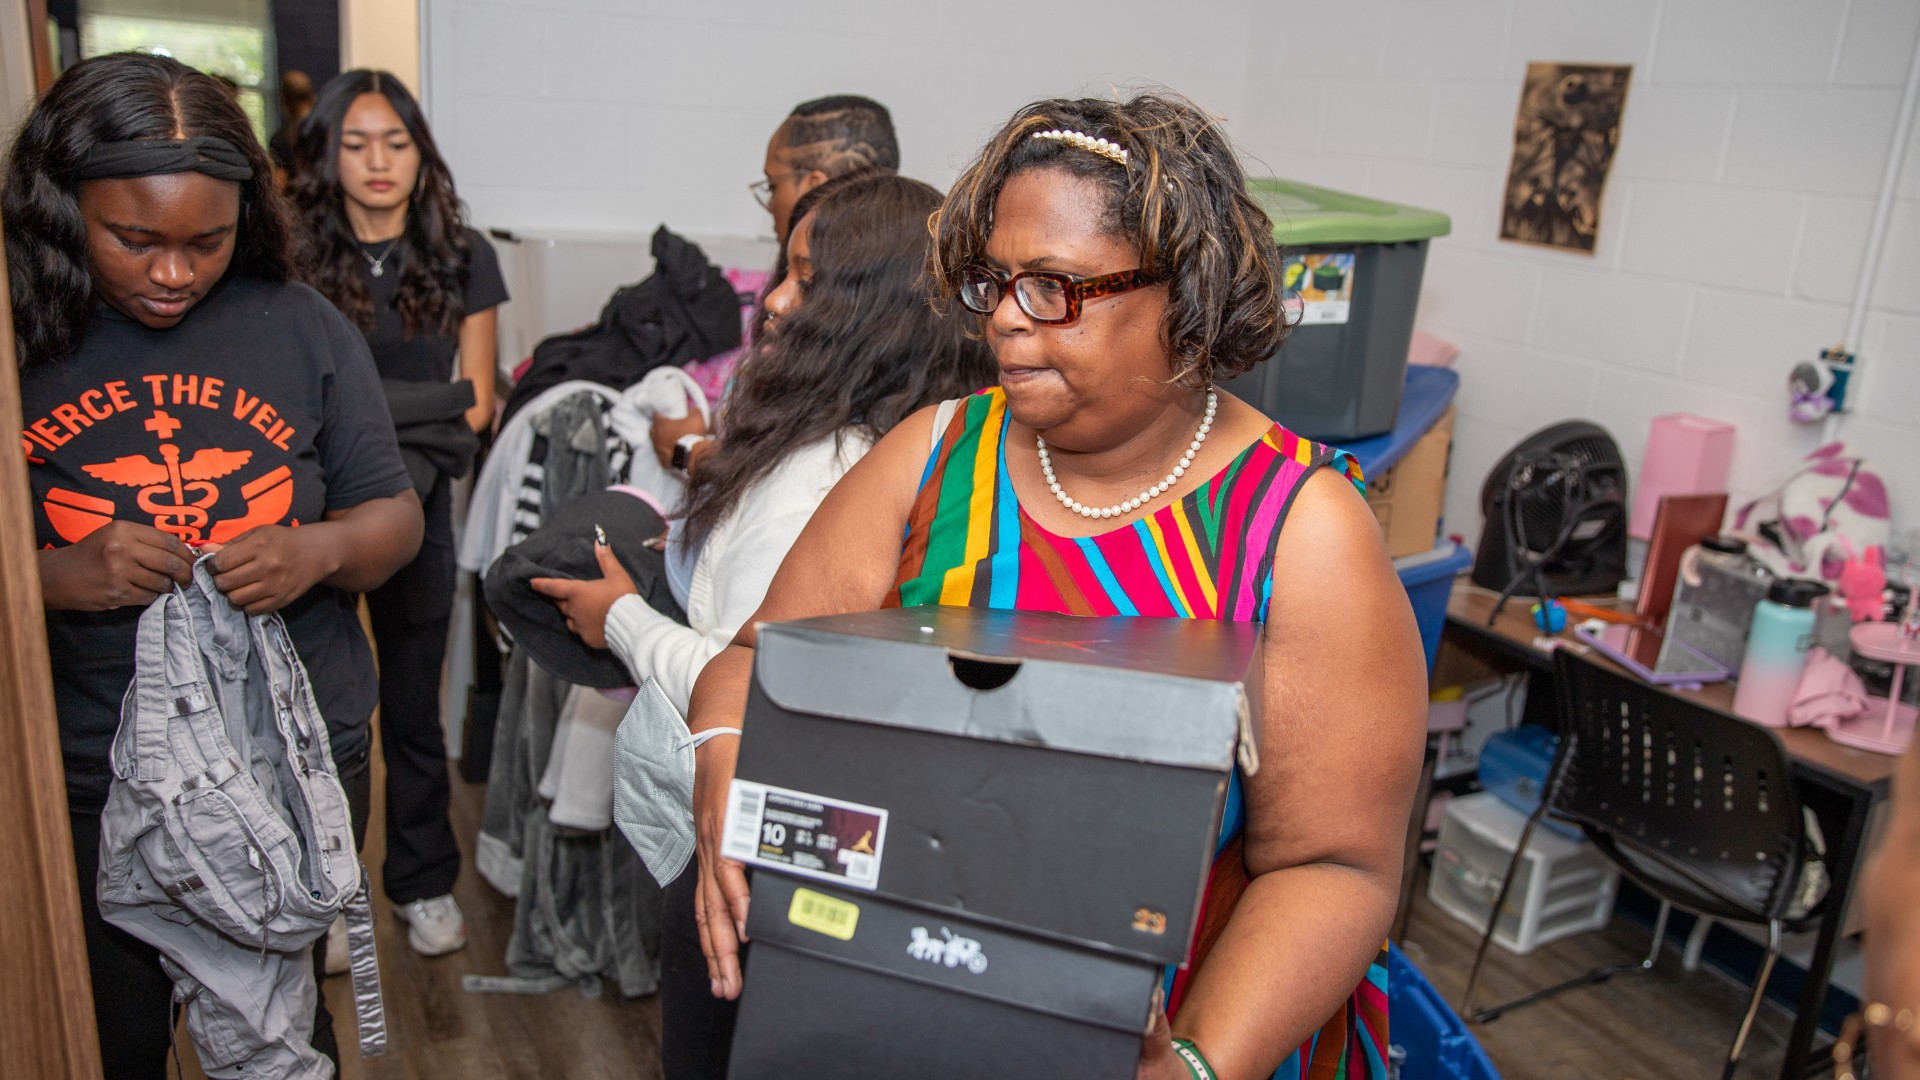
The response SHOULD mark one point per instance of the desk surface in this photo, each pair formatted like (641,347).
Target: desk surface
(1514,630)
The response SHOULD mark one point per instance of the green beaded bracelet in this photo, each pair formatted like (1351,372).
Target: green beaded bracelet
(1195,1062)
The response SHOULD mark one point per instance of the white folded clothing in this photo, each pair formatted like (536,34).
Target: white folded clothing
(579,773)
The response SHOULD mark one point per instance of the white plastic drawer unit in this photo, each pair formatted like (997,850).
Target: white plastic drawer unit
(1563,886)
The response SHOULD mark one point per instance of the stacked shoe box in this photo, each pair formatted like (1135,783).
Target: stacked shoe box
(978,838)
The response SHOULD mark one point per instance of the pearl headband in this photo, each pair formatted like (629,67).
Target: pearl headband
(1112,151)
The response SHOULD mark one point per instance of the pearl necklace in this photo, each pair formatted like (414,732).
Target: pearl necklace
(1128,506)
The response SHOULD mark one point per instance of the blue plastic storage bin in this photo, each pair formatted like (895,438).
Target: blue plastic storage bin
(1513,766)
(1421,1026)
(1428,586)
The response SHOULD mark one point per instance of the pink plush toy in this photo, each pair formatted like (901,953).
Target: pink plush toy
(1863,581)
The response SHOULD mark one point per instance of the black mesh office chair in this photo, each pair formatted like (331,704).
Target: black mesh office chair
(1694,805)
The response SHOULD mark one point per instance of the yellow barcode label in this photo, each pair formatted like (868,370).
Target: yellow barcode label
(823,914)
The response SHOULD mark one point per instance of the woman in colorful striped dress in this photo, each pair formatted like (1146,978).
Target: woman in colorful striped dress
(1120,274)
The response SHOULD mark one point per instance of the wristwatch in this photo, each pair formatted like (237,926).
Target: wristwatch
(683,450)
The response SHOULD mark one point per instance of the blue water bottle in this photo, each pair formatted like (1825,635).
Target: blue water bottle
(1777,650)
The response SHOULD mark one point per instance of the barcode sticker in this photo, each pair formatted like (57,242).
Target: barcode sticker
(743,818)
(809,835)
(823,914)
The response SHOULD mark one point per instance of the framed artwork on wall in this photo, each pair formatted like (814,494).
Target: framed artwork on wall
(1563,141)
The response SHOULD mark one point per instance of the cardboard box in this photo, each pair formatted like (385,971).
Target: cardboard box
(1408,498)
(1046,788)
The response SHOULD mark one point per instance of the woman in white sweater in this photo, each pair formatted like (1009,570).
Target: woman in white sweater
(853,346)
(729,574)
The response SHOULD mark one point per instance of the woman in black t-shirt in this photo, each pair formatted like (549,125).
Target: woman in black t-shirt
(388,248)
(181,396)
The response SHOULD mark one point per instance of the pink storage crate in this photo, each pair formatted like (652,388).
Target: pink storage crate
(1686,455)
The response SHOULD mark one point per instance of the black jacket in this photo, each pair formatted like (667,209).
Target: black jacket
(562,547)
(686,310)
(431,420)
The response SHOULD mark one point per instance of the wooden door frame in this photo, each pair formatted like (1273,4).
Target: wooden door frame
(42,51)
(46,999)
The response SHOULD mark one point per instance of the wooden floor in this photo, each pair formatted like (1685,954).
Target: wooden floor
(1667,1023)
(437,1029)
(1671,1023)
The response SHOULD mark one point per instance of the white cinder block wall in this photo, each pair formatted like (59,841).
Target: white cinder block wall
(1732,233)
(620,114)
(1733,228)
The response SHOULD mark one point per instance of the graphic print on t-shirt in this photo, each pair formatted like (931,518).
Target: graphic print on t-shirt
(208,460)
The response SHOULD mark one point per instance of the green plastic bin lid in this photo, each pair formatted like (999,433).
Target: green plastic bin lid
(1304,215)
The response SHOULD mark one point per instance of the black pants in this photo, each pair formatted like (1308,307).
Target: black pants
(696,1028)
(132,996)
(409,615)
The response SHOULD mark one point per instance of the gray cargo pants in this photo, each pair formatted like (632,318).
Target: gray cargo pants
(227,842)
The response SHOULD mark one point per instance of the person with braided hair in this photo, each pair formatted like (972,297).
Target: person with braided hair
(820,140)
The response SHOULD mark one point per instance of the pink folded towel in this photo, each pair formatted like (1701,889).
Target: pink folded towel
(1829,692)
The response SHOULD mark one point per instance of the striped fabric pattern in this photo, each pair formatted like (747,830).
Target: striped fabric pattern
(531,496)
(1206,556)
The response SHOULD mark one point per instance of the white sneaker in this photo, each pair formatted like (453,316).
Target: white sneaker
(337,960)
(436,925)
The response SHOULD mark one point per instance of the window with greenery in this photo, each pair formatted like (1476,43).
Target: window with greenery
(235,51)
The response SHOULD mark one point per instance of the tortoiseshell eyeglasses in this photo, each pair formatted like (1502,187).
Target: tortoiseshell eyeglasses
(1046,296)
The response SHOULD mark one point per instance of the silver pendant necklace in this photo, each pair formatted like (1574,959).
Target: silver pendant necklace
(378,265)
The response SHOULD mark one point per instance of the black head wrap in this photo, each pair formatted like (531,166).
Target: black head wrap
(207,154)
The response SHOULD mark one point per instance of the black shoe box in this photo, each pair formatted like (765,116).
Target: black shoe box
(912,993)
(1051,784)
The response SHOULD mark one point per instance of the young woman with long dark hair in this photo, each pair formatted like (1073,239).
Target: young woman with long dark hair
(854,347)
(182,396)
(388,247)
